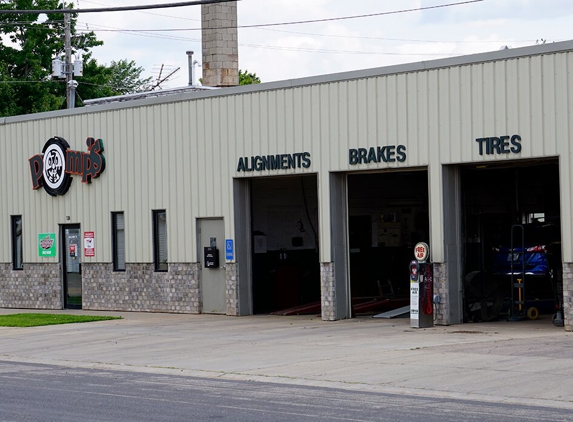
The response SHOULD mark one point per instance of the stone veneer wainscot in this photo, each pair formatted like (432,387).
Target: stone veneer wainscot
(36,286)
(139,288)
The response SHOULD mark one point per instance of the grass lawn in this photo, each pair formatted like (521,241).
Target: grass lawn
(35,320)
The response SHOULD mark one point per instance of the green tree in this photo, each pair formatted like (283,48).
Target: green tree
(119,78)
(7,93)
(29,42)
(246,78)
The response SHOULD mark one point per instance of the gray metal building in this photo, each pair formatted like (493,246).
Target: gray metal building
(310,191)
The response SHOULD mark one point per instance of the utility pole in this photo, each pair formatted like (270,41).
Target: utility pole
(68,68)
(70,87)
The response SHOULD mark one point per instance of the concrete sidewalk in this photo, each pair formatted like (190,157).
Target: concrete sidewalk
(520,362)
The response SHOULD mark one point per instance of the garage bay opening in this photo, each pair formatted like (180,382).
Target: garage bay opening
(388,215)
(286,269)
(512,241)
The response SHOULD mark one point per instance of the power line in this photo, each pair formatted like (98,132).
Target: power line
(149,31)
(369,15)
(60,81)
(149,13)
(29,23)
(391,39)
(48,26)
(117,88)
(115,9)
(272,47)
(125,30)
(300,49)
(90,28)
(417,9)
(130,32)
(323,50)
(30,82)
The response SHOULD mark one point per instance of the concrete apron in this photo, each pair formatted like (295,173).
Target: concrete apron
(528,363)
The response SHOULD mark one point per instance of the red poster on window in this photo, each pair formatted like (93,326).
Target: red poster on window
(89,244)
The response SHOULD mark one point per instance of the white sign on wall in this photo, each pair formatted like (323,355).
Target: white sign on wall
(89,244)
(414,300)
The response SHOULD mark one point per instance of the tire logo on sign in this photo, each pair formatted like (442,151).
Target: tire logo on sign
(54,166)
(56,180)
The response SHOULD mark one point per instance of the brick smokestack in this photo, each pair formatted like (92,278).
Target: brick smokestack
(219,44)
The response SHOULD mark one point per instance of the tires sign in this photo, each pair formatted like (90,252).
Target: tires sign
(53,169)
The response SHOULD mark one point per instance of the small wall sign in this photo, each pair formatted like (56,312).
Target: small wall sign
(380,154)
(274,162)
(89,244)
(229,250)
(414,300)
(421,251)
(47,245)
(499,145)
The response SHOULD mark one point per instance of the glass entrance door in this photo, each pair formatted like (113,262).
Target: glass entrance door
(72,267)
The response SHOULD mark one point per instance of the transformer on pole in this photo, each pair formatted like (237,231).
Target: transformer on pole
(69,67)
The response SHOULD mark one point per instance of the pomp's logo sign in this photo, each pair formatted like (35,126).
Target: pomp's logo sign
(53,168)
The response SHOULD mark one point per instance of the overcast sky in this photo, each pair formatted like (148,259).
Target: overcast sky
(294,51)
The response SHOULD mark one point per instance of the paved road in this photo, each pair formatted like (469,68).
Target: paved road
(33,392)
(525,363)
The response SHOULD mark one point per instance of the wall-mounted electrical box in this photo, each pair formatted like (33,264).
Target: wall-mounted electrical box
(211,257)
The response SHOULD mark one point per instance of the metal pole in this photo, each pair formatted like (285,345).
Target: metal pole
(190,61)
(70,91)
(72,88)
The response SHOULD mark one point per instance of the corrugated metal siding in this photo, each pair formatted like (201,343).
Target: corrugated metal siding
(182,156)
(563,84)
